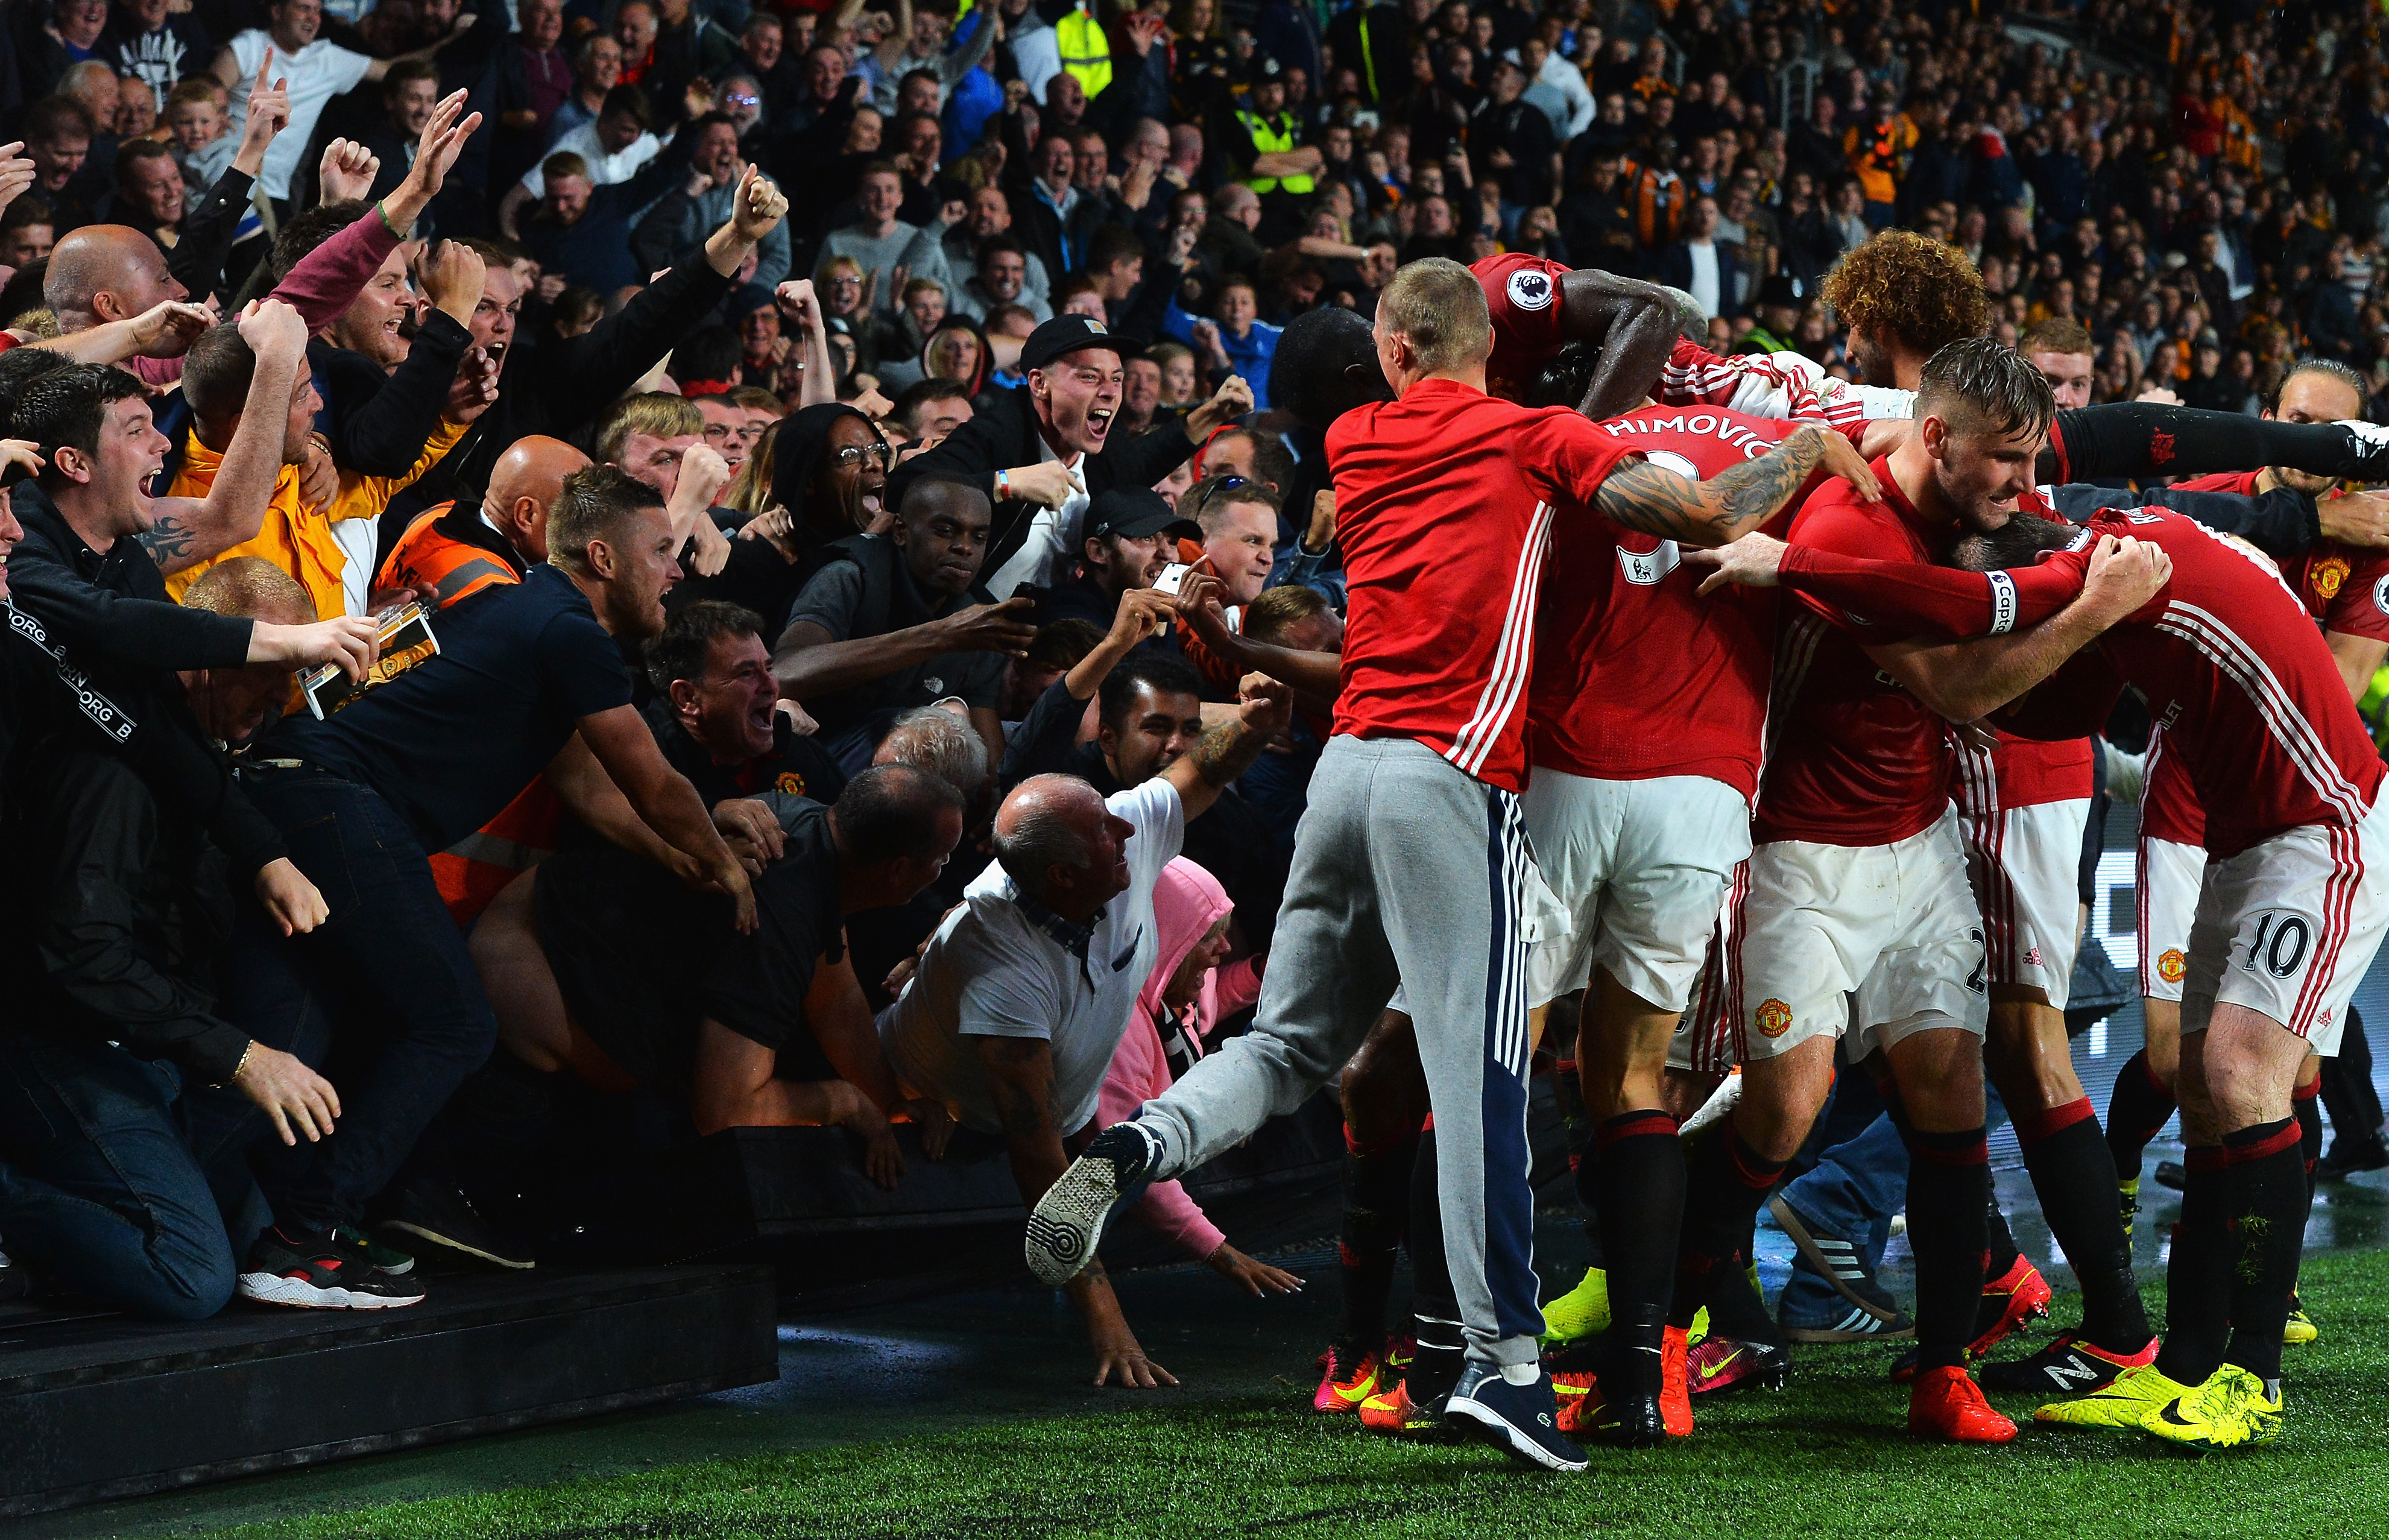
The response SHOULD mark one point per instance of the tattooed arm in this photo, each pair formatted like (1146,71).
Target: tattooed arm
(1229,750)
(1646,497)
(1020,1074)
(188,530)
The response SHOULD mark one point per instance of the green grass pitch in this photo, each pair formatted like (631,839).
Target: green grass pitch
(1827,1457)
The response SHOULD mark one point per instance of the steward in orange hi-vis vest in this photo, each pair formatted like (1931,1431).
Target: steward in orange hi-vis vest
(448,555)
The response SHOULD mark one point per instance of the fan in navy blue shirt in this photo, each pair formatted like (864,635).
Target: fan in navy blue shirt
(423,756)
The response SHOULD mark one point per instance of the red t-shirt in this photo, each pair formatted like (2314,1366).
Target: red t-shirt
(1445,501)
(1857,759)
(1523,292)
(2247,692)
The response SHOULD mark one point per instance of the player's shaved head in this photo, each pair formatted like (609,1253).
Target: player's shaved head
(1326,364)
(1439,307)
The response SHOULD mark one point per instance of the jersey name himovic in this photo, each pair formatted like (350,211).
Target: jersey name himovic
(1637,676)
(1445,504)
(2247,692)
(1856,760)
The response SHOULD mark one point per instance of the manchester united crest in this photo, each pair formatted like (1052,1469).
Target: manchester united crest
(2328,575)
(790,782)
(1774,1018)
(2170,965)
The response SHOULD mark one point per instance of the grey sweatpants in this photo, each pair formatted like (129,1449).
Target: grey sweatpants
(1405,870)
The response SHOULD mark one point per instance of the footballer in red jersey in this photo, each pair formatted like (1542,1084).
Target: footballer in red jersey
(2291,906)
(1645,722)
(1858,885)
(1412,865)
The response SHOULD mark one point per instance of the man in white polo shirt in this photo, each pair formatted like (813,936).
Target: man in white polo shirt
(316,70)
(1025,990)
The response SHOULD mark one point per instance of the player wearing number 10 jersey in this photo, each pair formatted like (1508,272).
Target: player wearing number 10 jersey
(2291,909)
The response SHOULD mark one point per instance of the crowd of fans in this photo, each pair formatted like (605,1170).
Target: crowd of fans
(766,448)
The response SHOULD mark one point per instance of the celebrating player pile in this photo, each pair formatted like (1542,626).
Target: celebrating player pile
(1706,673)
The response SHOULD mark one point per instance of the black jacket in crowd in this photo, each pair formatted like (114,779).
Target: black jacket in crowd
(1004,435)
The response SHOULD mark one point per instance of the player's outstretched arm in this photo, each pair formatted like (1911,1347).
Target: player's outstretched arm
(1905,598)
(1658,502)
(2143,439)
(1967,681)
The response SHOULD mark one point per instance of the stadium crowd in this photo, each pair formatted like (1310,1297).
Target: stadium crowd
(780,565)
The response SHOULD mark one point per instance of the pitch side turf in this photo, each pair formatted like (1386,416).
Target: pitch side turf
(1826,1457)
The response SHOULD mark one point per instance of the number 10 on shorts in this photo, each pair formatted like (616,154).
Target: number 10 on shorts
(2278,943)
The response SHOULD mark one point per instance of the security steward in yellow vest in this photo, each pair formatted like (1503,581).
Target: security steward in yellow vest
(1086,53)
(1269,153)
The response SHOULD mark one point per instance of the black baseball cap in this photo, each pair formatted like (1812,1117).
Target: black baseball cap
(1072,334)
(1135,512)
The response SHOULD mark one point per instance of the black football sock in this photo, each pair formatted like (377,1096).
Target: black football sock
(2137,1112)
(1377,1212)
(1434,1310)
(1587,1161)
(2306,1106)
(2000,1249)
(1949,1228)
(1725,1182)
(2265,1210)
(1641,1195)
(2073,1177)
(2198,1279)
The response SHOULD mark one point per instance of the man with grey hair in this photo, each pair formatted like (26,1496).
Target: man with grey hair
(1022,995)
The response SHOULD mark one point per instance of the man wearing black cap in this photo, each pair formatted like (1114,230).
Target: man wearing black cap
(1042,450)
(1263,140)
(1780,300)
(1131,534)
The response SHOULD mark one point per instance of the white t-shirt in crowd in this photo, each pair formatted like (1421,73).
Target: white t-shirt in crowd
(604,170)
(992,971)
(1704,277)
(317,73)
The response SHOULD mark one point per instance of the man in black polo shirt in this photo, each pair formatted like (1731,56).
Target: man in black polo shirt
(413,763)
(897,622)
(1131,534)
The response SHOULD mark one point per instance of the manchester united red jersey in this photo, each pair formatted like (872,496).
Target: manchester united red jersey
(2169,808)
(2022,772)
(2234,671)
(1523,292)
(1445,501)
(1856,759)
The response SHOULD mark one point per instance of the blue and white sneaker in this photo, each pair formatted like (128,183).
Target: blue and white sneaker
(1069,1221)
(1866,1308)
(1522,1420)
